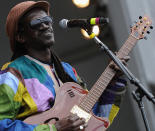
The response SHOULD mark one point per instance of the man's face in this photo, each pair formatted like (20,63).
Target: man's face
(38,31)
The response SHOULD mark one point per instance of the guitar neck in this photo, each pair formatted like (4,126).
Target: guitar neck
(105,78)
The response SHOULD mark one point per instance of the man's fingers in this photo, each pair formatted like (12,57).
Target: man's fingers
(73,117)
(79,122)
(126,58)
(81,127)
(114,67)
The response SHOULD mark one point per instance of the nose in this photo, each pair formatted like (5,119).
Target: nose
(44,26)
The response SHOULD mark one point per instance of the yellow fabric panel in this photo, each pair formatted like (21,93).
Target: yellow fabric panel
(5,66)
(28,103)
(19,93)
(113,112)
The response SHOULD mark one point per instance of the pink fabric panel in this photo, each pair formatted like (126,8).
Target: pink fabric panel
(41,95)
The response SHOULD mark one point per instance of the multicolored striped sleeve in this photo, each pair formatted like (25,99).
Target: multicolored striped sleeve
(11,99)
(109,103)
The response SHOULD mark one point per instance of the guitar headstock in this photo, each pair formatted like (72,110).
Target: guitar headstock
(141,27)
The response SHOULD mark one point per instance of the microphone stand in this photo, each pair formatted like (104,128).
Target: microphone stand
(140,92)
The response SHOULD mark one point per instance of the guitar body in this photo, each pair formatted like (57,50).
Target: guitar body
(69,95)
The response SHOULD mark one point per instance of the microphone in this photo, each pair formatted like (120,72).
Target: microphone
(83,23)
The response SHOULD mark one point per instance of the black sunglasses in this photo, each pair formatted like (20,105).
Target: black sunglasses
(34,24)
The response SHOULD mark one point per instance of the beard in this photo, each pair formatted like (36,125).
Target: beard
(42,46)
(41,43)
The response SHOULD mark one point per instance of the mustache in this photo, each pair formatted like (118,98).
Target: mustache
(47,31)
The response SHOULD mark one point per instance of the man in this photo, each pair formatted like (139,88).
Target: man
(28,84)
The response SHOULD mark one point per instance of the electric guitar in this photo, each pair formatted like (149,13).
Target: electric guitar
(71,98)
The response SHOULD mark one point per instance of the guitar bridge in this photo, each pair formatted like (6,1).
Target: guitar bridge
(81,113)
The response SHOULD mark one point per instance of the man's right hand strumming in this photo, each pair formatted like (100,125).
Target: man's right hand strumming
(71,123)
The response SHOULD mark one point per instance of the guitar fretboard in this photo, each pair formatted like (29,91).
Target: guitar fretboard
(105,78)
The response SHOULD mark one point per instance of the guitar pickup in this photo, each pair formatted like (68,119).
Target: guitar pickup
(81,113)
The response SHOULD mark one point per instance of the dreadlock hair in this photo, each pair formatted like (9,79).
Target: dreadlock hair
(59,68)
(19,48)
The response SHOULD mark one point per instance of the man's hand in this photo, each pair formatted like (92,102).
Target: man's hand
(116,68)
(71,123)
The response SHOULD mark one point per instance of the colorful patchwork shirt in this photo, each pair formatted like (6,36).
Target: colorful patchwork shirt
(28,86)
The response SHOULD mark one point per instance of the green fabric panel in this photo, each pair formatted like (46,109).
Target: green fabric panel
(29,69)
(7,105)
(42,128)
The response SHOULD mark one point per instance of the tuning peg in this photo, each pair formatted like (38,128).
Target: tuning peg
(140,17)
(151,27)
(148,32)
(145,38)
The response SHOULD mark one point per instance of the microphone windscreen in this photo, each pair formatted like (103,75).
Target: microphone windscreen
(63,23)
(107,19)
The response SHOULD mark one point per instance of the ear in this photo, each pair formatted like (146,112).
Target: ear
(20,38)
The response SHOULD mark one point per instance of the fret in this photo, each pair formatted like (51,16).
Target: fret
(93,99)
(123,52)
(100,82)
(127,48)
(129,42)
(104,81)
(85,107)
(94,96)
(96,91)
(90,103)
(88,96)
(82,106)
(129,45)
(107,76)
(84,102)
(108,69)
(99,88)
(133,38)
(108,72)
(100,85)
